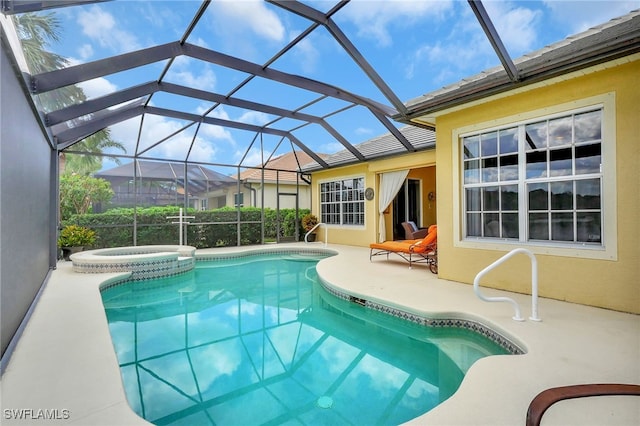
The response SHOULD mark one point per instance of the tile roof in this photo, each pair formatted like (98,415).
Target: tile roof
(614,39)
(164,170)
(284,166)
(385,145)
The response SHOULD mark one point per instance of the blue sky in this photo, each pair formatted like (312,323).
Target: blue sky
(415,46)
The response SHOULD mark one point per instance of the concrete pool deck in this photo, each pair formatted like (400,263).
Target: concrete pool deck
(65,363)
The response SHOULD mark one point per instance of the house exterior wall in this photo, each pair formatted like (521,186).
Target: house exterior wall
(422,167)
(610,281)
(286,202)
(26,192)
(253,197)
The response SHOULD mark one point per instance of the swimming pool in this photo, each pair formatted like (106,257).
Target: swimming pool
(258,340)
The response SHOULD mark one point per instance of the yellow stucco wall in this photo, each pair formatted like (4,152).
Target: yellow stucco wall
(420,163)
(610,283)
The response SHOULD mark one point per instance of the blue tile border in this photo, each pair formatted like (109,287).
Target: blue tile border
(144,262)
(140,270)
(426,321)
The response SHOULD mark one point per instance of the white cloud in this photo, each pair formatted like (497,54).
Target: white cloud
(331,147)
(363,131)
(216,360)
(464,51)
(254,117)
(101,26)
(219,112)
(336,355)
(157,128)
(85,51)
(126,133)
(246,309)
(578,16)
(305,52)
(385,378)
(253,158)
(216,132)
(203,151)
(241,16)
(206,80)
(374,18)
(97,87)
(517,25)
(192,73)
(450,60)
(199,41)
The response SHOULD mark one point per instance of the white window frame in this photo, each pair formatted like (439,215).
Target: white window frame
(341,202)
(608,249)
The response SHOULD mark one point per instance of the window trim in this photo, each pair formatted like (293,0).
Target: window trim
(340,179)
(608,249)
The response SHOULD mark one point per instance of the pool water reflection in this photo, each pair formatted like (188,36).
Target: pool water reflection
(258,341)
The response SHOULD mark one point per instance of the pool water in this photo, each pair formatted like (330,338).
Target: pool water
(257,340)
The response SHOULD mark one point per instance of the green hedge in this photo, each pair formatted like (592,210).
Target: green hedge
(114,228)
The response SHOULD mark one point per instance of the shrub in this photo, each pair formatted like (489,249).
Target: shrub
(78,193)
(76,236)
(309,221)
(216,228)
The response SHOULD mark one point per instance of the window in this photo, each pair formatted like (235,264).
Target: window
(238,199)
(342,202)
(536,182)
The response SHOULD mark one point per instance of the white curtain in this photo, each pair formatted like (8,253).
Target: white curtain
(390,184)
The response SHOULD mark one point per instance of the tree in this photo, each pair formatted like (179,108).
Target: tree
(88,164)
(36,32)
(79,193)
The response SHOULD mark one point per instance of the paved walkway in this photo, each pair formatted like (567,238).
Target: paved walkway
(65,361)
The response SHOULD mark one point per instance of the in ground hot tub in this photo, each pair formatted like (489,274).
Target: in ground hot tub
(143,262)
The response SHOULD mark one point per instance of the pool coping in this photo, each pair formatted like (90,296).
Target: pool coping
(65,358)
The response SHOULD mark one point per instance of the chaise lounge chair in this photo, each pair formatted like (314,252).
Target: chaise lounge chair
(413,251)
(412,232)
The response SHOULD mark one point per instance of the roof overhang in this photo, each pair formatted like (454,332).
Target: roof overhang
(606,43)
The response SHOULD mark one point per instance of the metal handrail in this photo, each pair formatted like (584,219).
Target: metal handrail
(314,228)
(534,285)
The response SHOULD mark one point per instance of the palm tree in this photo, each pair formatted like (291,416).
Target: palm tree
(36,32)
(94,146)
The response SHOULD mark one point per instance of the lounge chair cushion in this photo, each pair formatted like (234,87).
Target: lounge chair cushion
(410,246)
(413,251)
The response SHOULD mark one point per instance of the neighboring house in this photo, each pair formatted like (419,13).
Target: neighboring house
(549,162)
(281,186)
(162,183)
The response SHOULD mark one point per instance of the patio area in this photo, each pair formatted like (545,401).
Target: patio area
(65,362)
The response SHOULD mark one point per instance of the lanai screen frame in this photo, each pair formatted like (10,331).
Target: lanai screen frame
(67,126)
